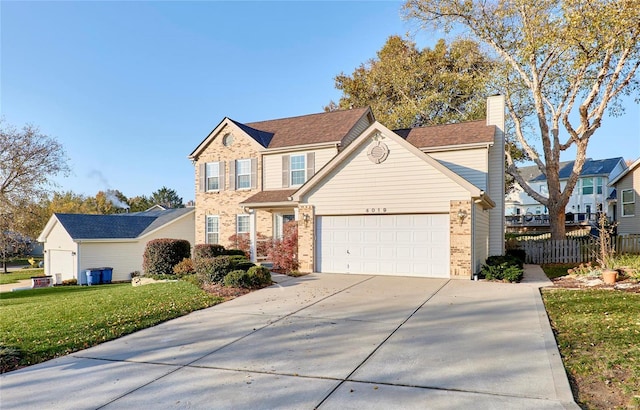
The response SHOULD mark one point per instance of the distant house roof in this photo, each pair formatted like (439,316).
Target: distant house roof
(118,226)
(471,132)
(598,167)
(631,168)
(306,129)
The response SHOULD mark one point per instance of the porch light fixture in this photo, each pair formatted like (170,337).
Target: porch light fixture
(462,214)
(306,218)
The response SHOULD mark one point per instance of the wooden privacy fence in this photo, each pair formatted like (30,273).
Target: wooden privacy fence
(574,250)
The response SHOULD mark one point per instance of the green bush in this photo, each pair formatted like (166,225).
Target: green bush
(255,277)
(161,255)
(244,265)
(507,268)
(207,250)
(235,252)
(519,254)
(213,270)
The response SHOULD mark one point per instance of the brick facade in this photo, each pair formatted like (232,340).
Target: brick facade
(306,238)
(460,240)
(225,203)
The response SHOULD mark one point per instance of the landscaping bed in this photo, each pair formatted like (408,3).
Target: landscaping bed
(597,328)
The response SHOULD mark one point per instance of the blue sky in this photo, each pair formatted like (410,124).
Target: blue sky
(131,88)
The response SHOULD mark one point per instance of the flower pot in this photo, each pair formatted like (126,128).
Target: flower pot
(609,276)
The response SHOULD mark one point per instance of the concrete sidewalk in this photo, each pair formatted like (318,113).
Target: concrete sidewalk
(323,341)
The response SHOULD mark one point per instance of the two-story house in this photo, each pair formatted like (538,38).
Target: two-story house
(415,202)
(589,196)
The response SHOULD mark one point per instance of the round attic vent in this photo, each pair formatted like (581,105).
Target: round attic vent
(227,139)
(378,152)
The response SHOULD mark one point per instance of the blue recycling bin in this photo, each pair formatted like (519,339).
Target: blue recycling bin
(82,277)
(93,276)
(107,273)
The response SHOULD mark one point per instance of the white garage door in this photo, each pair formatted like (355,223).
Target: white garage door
(404,245)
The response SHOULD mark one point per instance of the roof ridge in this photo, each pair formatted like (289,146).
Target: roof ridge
(307,115)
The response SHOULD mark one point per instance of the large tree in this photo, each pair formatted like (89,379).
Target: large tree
(166,197)
(564,64)
(409,87)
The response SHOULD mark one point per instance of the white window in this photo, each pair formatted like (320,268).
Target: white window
(213,229)
(243,174)
(599,185)
(628,202)
(298,169)
(212,175)
(242,225)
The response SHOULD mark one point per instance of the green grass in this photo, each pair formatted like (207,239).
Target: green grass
(45,323)
(555,270)
(598,333)
(14,277)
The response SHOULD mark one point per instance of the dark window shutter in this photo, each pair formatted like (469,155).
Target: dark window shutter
(254,173)
(311,164)
(285,171)
(202,177)
(232,175)
(221,176)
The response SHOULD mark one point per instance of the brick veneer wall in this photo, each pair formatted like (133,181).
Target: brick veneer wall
(225,203)
(306,239)
(460,241)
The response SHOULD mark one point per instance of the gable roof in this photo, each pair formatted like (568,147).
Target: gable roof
(598,167)
(631,168)
(471,132)
(114,226)
(474,191)
(318,128)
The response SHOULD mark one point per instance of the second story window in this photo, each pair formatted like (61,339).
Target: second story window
(599,185)
(587,186)
(628,202)
(298,170)
(212,176)
(243,174)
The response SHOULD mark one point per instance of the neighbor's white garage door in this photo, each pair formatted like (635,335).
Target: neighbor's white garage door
(403,245)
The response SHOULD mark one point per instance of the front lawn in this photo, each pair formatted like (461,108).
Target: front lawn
(598,334)
(14,277)
(40,324)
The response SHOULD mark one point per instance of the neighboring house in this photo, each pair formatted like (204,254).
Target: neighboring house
(627,199)
(416,202)
(589,195)
(75,242)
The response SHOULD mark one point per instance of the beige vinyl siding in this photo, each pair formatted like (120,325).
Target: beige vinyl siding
(470,164)
(629,224)
(495,188)
(480,237)
(362,124)
(403,183)
(272,165)
(126,256)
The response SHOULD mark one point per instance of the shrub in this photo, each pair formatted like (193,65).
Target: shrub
(213,270)
(185,267)
(284,252)
(236,252)
(517,253)
(507,268)
(244,265)
(69,282)
(255,277)
(207,250)
(9,358)
(161,255)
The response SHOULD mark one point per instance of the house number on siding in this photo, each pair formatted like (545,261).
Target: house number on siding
(376,210)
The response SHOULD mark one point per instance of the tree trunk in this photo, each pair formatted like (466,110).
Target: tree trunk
(557,219)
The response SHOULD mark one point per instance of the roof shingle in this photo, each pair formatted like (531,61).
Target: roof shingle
(471,132)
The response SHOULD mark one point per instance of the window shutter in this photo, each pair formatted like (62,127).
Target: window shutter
(201,177)
(285,171)
(221,176)
(232,175)
(311,164)
(254,173)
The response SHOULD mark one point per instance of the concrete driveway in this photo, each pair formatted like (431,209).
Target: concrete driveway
(323,341)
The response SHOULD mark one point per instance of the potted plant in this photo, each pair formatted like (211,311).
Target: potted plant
(606,253)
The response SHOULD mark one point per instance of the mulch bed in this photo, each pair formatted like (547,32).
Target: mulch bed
(624,283)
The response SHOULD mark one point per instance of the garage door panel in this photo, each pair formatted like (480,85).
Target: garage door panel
(415,245)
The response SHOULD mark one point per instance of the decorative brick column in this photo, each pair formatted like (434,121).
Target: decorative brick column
(460,240)
(306,237)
